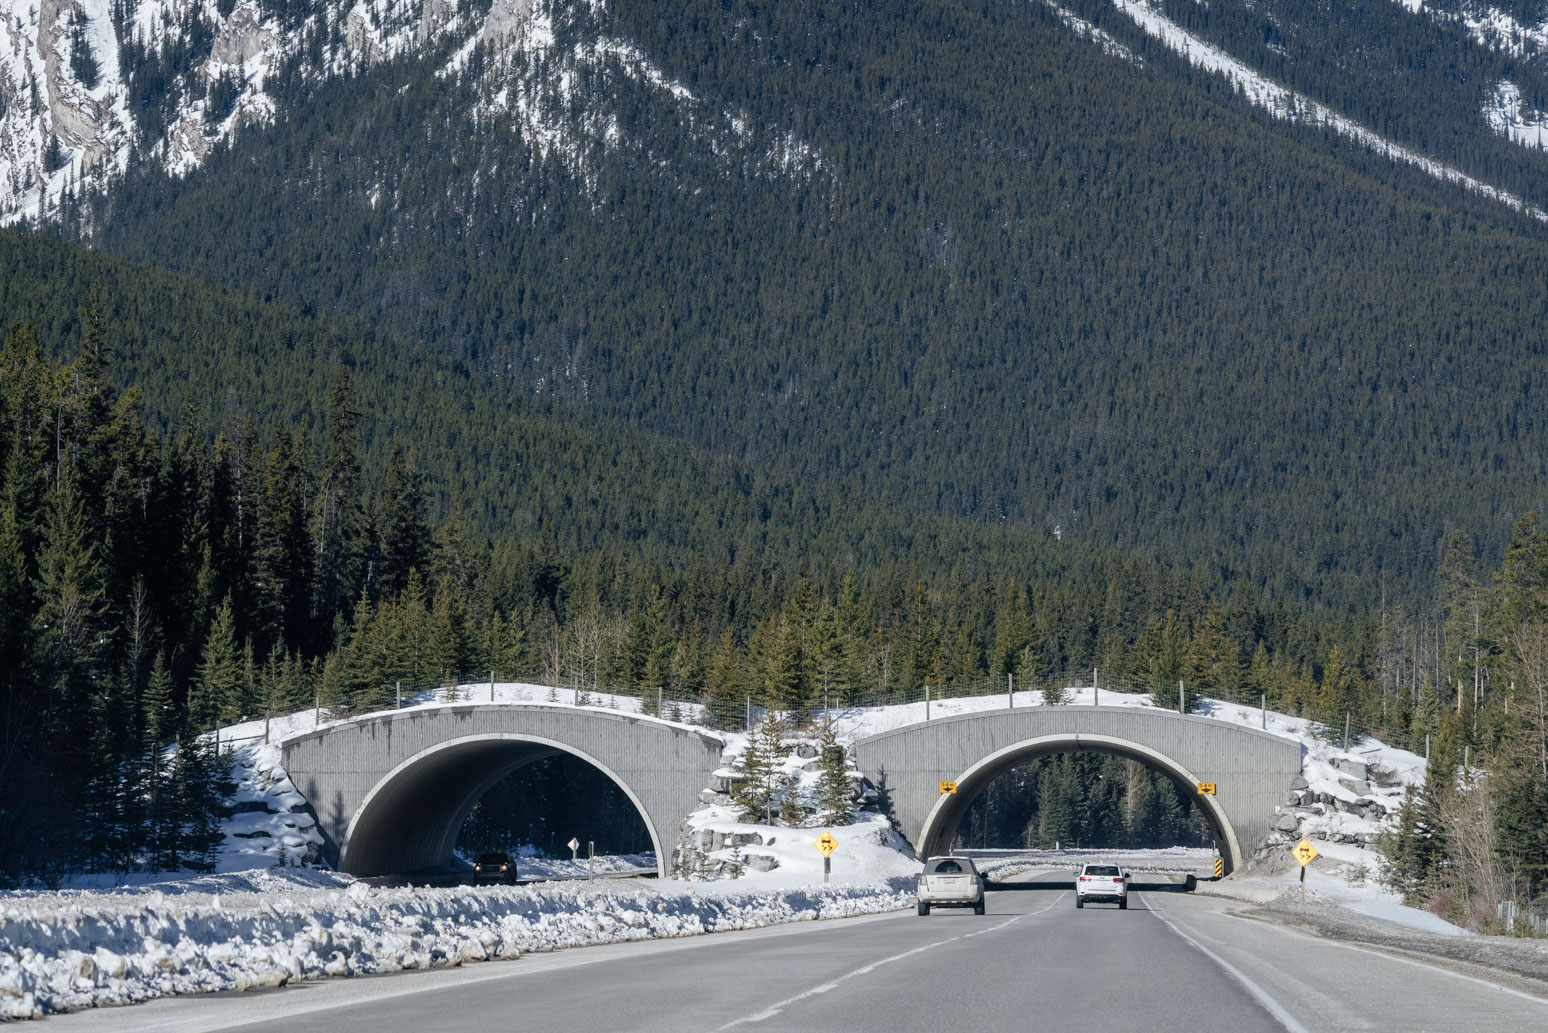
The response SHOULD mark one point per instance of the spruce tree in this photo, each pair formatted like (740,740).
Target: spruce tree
(758,777)
(406,539)
(834,792)
(218,692)
(338,520)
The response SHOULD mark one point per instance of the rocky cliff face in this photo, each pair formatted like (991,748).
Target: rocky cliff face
(86,86)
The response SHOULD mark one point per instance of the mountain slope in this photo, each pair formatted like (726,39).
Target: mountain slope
(1017,279)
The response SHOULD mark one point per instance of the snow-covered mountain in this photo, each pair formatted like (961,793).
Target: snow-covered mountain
(87,86)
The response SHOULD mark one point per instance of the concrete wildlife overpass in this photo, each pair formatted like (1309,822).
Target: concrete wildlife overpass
(1250,769)
(391,791)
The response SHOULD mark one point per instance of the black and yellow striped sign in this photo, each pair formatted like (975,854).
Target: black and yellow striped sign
(1219,867)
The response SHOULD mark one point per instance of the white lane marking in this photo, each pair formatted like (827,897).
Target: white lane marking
(1273,1007)
(1374,952)
(774,1009)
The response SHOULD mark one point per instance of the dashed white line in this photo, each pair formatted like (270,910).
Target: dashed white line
(774,1009)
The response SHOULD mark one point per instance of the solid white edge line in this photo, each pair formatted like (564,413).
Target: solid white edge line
(774,1009)
(1263,997)
(1415,962)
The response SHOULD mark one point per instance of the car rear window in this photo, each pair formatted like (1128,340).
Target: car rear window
(1101,869)
(491,859)
(947,866)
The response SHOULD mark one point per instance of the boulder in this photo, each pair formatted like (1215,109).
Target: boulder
(1291,799)
(762,862)
(1287,823)
(1356,786)
(805,750)
(1299,782)
(742,839)
(1352,767)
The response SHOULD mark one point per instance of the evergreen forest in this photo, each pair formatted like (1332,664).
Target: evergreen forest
(1019,281)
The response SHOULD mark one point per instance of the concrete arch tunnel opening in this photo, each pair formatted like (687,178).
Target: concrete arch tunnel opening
(1083,800)
(411,819)
(944,823)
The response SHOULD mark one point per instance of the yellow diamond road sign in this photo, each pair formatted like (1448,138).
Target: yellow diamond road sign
(1304,852)
(827,844)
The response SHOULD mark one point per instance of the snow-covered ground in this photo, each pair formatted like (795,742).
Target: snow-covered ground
(63,951)
(266,917)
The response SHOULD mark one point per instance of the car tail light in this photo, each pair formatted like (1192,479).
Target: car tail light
(1084,878)
(1118,878)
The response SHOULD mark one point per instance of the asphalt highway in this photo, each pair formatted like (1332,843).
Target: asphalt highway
(1172,962)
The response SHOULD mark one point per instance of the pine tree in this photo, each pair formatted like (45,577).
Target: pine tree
(1213,665)
(338,521)
(282,574)
(724,689)
(219,692)
(834,792)
(758,777)
(1161,648)
(405,536)
(1012,636)
(200,782)
(450,639)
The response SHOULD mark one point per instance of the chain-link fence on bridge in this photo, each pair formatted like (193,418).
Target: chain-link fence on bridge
(740,711)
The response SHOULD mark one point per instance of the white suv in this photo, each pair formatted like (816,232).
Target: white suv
(950,882)
(1103,882)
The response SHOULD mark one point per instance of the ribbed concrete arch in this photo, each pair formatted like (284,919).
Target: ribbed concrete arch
(392,790)
(1251,768)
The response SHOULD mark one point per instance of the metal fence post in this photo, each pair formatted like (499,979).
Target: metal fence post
(1010,689)
(927,702)
(1096,698)
(399,696)
(491,686)
(1263,706)
(1182,698)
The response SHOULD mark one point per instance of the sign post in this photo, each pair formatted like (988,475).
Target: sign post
(1305,853)
(826,844)
(574,845)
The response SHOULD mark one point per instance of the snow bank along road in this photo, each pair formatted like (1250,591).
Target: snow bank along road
(1172,962)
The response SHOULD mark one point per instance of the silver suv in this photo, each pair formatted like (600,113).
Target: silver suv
(950,882)
(1104,882)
